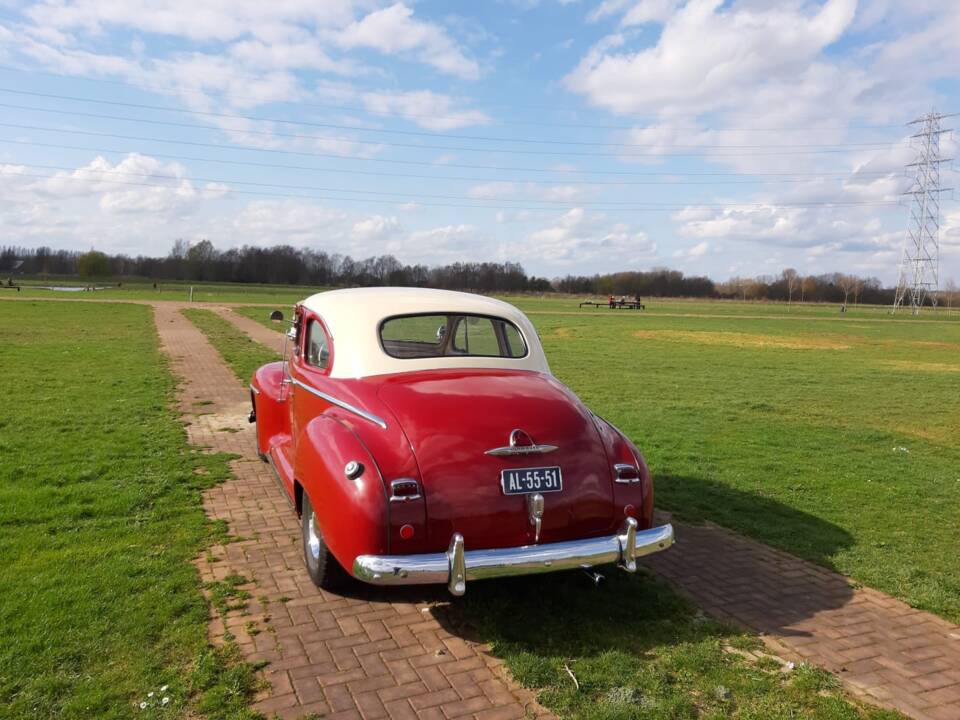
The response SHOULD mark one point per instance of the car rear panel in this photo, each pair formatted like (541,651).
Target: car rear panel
(452,418)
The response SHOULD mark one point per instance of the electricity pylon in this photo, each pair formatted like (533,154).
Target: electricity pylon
(920,262)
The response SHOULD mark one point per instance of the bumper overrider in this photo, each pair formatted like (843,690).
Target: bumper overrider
(458,565)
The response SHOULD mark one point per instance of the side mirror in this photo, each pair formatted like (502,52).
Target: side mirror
(441,333)
(276,316)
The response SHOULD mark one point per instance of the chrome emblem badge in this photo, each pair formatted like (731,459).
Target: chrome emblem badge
(521,444)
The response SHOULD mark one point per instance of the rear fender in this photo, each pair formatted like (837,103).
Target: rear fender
(352,513)
(637,494)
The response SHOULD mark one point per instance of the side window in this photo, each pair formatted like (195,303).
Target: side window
(476,336)
(515,345)
(318,346)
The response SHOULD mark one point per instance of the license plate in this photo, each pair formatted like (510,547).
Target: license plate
(522,481)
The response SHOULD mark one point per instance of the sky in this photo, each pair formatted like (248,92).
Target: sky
(571,136)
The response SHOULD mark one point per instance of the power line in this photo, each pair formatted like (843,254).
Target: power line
(158,88)
(418,147)
(643,207)
(398,194)
(359,128)
(514,181)
(794,177)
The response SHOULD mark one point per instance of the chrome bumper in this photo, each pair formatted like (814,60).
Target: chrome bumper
(458,565)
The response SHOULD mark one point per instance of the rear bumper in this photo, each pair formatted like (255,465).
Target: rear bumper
(456,566)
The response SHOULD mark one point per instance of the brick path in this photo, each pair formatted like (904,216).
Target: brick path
(374,654)
(882,649)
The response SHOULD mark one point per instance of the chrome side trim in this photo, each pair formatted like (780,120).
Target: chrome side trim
(521,450)
(254,390)
(341,404)
(444,568)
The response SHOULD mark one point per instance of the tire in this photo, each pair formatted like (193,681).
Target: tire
(322,567)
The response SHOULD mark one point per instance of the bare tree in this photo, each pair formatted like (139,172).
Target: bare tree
(790,278)
(950,293)
(847,284)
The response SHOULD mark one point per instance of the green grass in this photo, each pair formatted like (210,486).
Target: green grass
(241,353)
(836,441)
(100,518)
(832,436)
(638,651)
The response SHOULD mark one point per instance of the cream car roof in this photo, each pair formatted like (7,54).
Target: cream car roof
(353,318)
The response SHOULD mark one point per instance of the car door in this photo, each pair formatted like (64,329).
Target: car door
(310,368)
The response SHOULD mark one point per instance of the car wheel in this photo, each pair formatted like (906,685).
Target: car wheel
(322,566)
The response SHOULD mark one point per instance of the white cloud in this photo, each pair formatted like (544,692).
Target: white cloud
(707,56)
(394,30)
(534,192)
(376,229)
(698,250)
(647,11)
(428,109)
(607,8)
(577,237)
(443,244)
(209,20)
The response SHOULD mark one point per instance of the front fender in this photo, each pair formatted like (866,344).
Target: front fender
(269,407)
(352,513)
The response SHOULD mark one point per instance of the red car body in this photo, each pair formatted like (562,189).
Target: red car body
(402,471)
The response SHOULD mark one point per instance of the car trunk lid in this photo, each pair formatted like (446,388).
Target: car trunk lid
(453,418)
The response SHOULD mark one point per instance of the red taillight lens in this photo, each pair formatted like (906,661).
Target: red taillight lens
(626,473)
(404,490)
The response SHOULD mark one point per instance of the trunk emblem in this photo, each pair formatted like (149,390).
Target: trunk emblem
(521,444)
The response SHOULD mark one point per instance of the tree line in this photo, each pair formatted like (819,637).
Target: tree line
(287,265)
(280,265)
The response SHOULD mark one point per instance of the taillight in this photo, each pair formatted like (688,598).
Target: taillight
(404,490)
(626,473)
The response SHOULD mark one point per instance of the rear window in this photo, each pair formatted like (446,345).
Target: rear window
(450,335)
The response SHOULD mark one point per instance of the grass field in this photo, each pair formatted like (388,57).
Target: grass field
(835,437)
(100,517)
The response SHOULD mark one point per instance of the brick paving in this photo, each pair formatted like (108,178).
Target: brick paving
(883,650)
(367,655)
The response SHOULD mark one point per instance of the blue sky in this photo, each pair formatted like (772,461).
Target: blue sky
(584,136)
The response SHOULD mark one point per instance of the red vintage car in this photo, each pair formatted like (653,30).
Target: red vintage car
(422,439)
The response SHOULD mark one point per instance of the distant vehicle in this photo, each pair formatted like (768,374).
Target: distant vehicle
(422,439)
